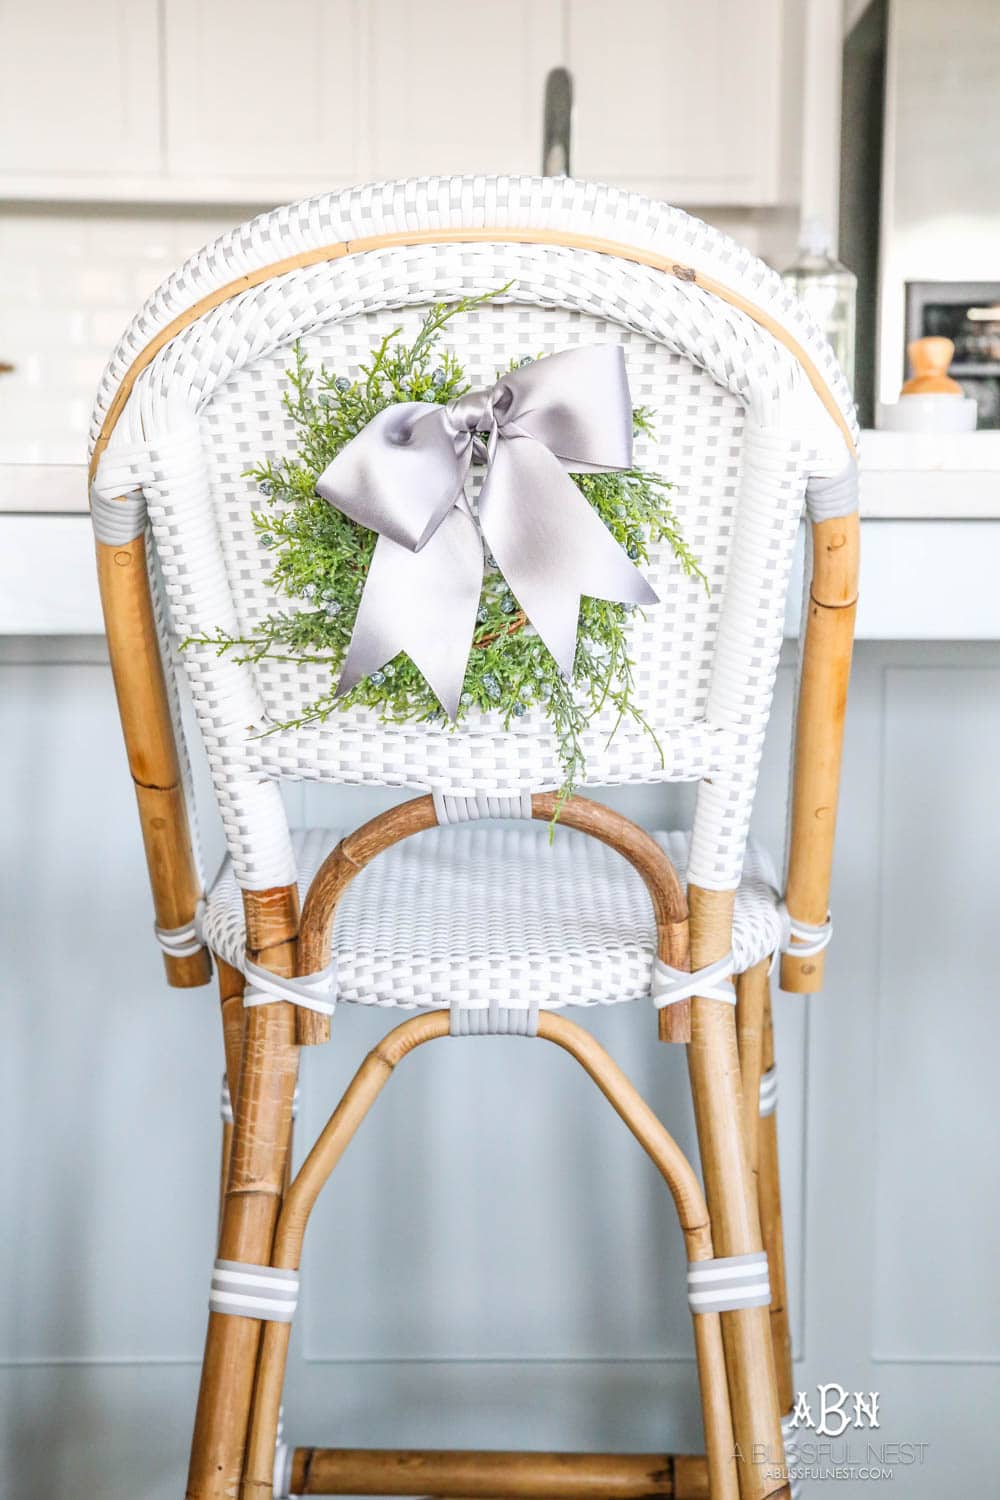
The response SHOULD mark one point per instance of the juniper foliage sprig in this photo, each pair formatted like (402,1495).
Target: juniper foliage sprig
(321,560)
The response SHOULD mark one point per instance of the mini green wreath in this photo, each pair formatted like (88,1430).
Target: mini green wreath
(322,558)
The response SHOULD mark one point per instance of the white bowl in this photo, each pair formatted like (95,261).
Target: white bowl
(941,413)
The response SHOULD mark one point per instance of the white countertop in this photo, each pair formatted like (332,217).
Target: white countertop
(930,476)
(904,476)
(43,489)
(930,543)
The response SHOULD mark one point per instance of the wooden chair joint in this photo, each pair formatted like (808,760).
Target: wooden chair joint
(833,604)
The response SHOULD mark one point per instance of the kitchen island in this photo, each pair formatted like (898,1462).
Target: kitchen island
(903,1037)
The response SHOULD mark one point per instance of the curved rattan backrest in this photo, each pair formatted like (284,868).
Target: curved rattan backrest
(748,405)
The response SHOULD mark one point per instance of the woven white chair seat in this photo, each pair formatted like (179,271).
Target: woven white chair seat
(493,911)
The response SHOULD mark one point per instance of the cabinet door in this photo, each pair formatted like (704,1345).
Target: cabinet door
(262,92)
(459,87)
(79,87)
(677,99)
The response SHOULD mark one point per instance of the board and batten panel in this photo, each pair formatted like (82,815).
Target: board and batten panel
(494,1262)
(937,1035)
(458,88)
(495,1209)
(257,91)
(693,91)
(112,1075)
(901,1216)
(79,88)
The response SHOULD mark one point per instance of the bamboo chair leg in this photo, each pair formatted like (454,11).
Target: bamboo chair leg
(225,1155)
(361,1093)
(256,1177)
(716,1410)
(714,1066)
(257,1170)
(752,990)
(769,1188)
(231,984)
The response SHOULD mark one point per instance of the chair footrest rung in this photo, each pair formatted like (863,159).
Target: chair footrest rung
(473,1474)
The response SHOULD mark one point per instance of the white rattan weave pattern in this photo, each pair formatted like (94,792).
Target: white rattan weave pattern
(486,912)
(740,431)
(459,202)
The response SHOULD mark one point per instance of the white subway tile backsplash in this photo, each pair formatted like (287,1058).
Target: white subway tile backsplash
(102,284)
(29,327)
(21,282)
(85,370)
(71,279)
(42,233)
(145,281)
(131,239)
(108,324)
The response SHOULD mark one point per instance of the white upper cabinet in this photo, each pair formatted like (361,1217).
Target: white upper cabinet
(678,99)
(263,92)
(459,87)
(248,101)
(78,90)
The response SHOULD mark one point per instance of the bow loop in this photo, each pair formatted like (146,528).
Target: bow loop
(404,477)
(400,476)
(577,403)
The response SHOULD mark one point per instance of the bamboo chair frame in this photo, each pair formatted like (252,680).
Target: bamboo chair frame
(264,1216)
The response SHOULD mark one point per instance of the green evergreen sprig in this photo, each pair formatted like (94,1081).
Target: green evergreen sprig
(321,560)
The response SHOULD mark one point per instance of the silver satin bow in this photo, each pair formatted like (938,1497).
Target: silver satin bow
(404,476)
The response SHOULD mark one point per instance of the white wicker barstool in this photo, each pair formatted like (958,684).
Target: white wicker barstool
(755,421)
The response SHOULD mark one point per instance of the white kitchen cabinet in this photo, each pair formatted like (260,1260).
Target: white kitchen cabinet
(244,101)
(78,92)
(678,100)
(459,87)
(345,90)
(257,91)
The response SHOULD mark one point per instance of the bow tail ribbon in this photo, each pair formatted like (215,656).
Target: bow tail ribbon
(423,603)
(551,545)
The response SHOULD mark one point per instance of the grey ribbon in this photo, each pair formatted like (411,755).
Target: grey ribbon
(404,476)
